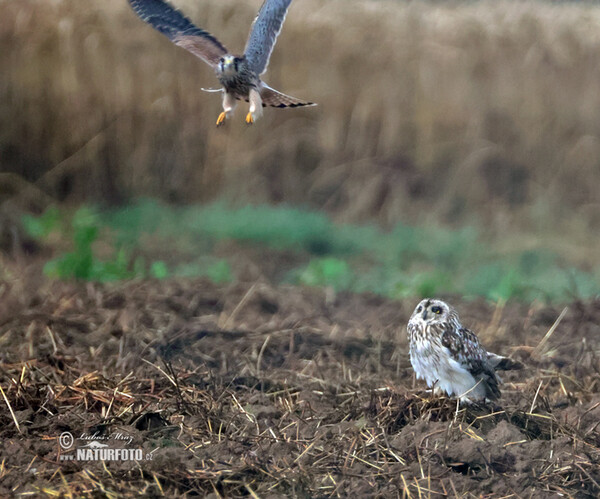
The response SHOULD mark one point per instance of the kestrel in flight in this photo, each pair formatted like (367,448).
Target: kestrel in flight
(238,75)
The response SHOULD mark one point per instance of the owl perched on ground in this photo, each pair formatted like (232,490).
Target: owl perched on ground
(449,357)
(238,75)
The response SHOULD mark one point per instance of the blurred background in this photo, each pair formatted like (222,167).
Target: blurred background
(455,148)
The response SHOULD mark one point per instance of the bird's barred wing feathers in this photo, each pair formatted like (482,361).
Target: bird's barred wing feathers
(465,348)
(179,29)
(264,32)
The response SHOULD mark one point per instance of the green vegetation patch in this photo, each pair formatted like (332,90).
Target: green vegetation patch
(404,261)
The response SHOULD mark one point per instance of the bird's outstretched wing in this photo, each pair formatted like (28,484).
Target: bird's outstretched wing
(179,29)
(264,33)
(465,348)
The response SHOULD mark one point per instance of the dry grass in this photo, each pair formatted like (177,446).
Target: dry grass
(460,112)
(271,392)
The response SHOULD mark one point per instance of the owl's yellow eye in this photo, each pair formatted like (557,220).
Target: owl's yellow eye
(419,309)
(436,310)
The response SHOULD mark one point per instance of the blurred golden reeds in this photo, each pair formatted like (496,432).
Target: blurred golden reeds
(455,112)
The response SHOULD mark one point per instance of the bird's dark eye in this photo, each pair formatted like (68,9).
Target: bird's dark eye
(419,308)
(221,60)
(436,310)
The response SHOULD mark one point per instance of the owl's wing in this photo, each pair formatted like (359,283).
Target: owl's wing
(465,348)
(264,32)
(179,29)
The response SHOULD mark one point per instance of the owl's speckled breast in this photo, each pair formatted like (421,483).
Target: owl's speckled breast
(424,357)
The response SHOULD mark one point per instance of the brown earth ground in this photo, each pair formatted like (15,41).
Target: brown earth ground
(262,391)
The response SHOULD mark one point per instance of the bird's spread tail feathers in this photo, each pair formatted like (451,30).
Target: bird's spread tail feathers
(273,98)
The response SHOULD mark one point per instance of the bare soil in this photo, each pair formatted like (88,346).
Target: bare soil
(262,391)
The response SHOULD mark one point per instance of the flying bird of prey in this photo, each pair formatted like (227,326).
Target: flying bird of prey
(449,357)
(239,75)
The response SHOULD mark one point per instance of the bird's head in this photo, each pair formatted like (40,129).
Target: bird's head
(431,310)
(229,65)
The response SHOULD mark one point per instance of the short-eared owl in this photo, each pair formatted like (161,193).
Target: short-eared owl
(239,75)
(449,357)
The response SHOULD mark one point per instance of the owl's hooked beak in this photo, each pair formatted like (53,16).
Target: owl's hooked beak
(424,315)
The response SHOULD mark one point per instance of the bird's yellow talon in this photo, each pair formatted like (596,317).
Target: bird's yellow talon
(221,119)
(249,119)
